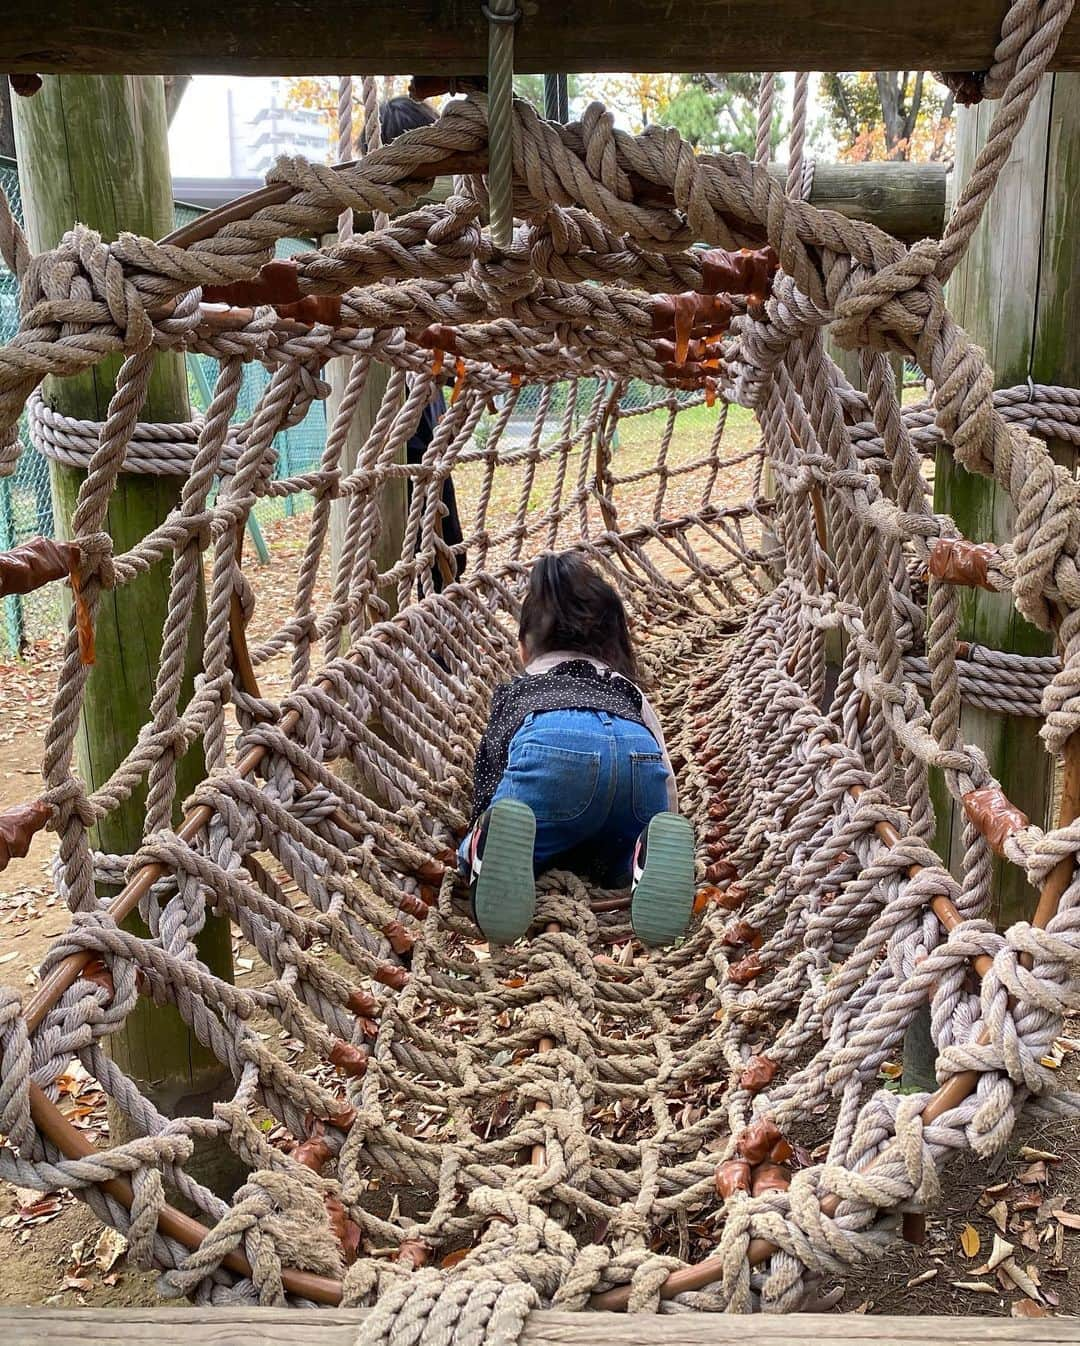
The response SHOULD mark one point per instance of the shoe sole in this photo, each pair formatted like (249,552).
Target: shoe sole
(505,900)
(663,900)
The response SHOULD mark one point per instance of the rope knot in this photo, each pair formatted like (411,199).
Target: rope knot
(899,305)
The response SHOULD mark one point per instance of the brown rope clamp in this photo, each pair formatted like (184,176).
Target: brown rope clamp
(966,86)
(993,816)
(957,561)
(434,86)
(757,1074)
(25,85)
(683,315)
(440,339)
(761,1166)
(278,285)
(40,561)
(18,826)
(749,272)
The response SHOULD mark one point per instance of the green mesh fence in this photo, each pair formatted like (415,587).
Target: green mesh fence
(26,498)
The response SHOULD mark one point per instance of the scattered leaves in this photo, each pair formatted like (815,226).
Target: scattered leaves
(970,1241)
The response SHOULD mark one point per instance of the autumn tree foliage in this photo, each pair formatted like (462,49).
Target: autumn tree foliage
(889,114)
(712,112)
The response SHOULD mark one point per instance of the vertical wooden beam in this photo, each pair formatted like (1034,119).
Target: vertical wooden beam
(1016,293)
(94,149)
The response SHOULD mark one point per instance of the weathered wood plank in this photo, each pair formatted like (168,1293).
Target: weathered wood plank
(263,37)
(337,1327)
(1015,293)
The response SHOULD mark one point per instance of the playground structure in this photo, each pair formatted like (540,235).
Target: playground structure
(573,1112)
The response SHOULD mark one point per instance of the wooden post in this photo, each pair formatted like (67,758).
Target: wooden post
(94,149)
(1015,294)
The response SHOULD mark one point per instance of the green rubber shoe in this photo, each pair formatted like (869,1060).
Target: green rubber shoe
(663,890)
(503,886)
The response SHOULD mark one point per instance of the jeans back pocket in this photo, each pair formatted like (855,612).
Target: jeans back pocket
(558,784)
(649,777)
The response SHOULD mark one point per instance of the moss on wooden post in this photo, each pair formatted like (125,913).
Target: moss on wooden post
(1016,294)
(94,149)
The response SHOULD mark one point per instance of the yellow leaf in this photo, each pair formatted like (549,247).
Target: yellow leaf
(970,1241)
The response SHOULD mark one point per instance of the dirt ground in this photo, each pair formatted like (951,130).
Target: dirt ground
(1004,1240)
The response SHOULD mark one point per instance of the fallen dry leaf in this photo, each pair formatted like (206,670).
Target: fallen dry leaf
(999,1213)
(1027,1308)
(1068,1218)
(970,1241)
(977,1287)
(109,1249)
(922,1278)
(1034,1173)
(1002,1250)
(1020,1278)
(1029,1152)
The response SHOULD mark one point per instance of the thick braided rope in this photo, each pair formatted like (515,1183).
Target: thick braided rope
(657,1064)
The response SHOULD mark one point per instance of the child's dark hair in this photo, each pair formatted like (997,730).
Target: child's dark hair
(398,115)
(569,607)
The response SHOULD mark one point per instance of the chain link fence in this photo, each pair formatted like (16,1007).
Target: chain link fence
(26,508)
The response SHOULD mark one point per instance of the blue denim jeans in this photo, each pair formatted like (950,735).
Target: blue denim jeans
(593,781)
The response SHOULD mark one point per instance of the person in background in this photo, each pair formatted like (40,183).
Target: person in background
(572,771)
(396,116)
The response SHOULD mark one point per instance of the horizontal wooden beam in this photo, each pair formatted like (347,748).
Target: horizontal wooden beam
(906,200)
(429,37)
(337,1327)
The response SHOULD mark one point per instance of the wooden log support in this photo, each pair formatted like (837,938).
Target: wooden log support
(433,37)
(65,133)
(134,1326)
(907,200)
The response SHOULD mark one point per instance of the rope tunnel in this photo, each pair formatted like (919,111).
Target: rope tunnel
(432,1126)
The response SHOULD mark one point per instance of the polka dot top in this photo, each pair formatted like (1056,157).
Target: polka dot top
(577,683)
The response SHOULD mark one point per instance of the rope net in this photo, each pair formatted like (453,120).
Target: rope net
(459,1133)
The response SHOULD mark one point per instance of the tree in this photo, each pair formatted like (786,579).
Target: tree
(320,92)
(717,112)
(711,112)
(889,114)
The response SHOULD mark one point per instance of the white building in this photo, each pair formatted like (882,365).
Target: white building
(230,127)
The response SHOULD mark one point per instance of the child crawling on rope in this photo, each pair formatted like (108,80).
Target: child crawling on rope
(572,771)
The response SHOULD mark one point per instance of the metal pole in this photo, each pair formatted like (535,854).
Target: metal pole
(556,98)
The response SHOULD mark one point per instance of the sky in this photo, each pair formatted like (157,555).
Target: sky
(198,137)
